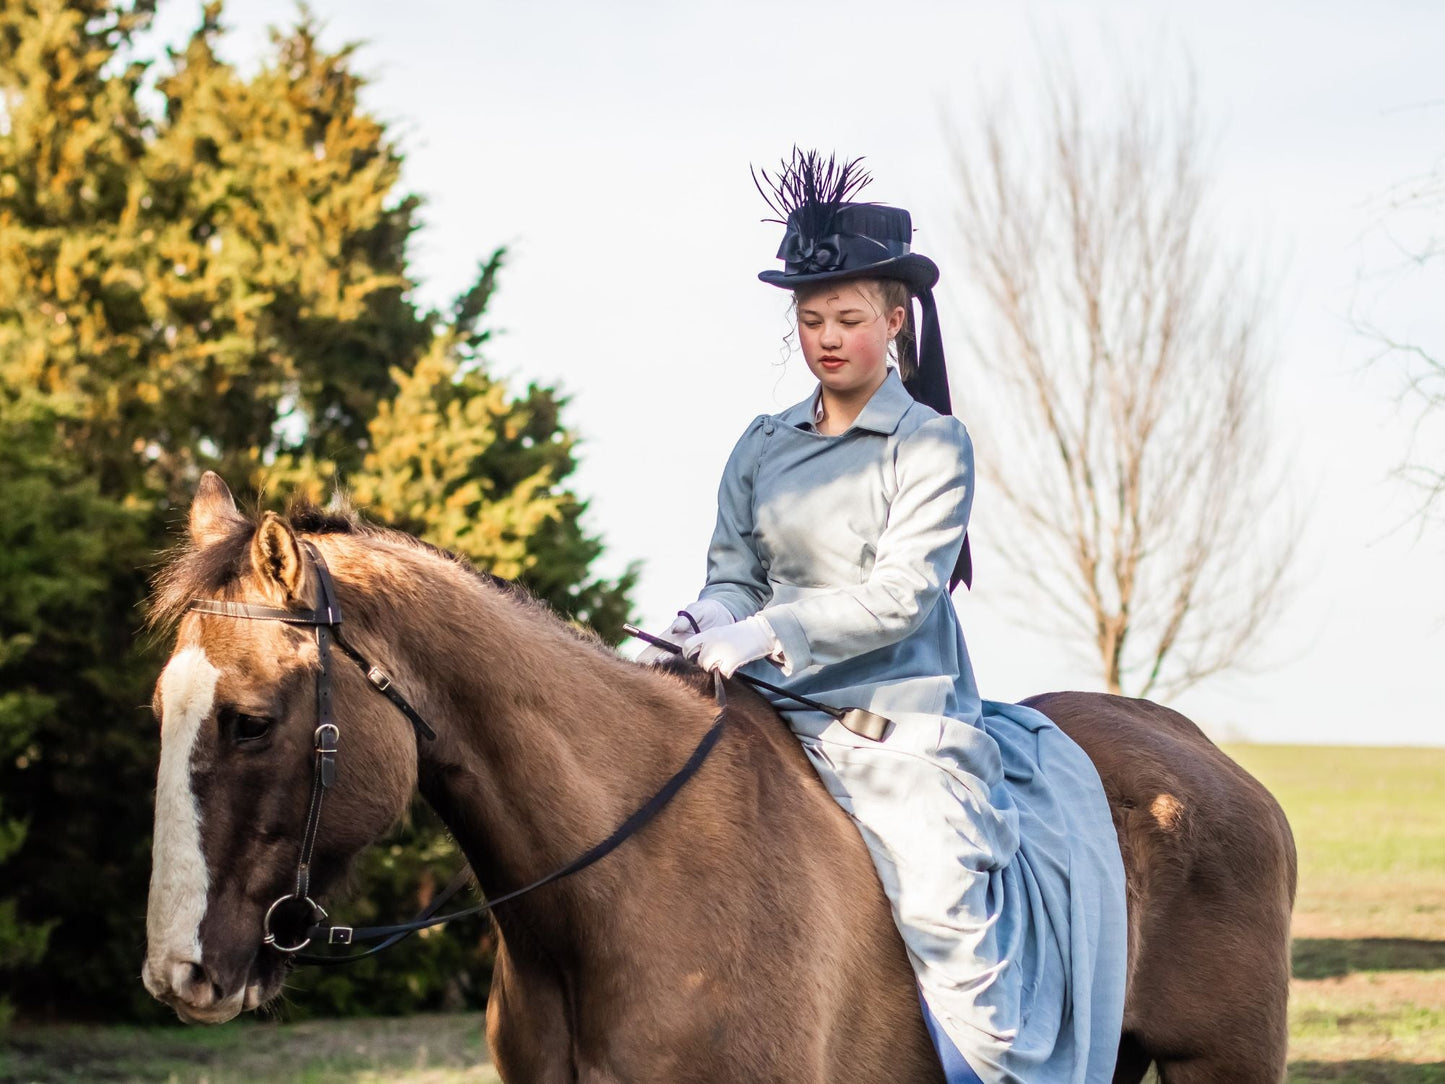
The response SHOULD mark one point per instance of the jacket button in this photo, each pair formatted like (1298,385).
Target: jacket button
(768,428)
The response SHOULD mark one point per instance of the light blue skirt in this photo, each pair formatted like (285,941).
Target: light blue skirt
(996,848)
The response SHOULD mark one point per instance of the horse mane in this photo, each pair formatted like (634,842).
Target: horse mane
(190,571)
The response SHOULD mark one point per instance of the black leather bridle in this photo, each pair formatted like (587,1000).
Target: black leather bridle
(325,619)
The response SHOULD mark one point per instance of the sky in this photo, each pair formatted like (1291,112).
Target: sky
(608,147)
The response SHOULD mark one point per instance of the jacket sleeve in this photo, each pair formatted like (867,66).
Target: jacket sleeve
(916,553)
(735,575)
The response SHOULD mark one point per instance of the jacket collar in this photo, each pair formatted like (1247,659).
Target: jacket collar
(881,414)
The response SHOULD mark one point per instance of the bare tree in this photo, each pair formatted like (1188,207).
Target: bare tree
(1407,258)
(1127,368)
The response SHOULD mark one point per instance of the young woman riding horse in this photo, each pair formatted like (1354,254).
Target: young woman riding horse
(840,522)
(741,933)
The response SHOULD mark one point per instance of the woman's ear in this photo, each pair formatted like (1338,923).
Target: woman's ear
(895,321)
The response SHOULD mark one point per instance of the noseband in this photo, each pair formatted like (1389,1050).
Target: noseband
(326,621)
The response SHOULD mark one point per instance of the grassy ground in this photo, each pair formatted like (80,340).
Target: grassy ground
(1367,1006)
(1368,998)
(414,1049)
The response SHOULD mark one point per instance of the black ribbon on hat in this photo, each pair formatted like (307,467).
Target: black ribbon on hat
(929,382)
(929,385)
(806,256)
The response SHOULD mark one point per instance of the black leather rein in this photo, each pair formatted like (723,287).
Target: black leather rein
(326,621)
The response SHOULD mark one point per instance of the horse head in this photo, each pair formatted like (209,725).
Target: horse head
(239,714)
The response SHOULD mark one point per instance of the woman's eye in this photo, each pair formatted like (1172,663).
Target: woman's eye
(251,727)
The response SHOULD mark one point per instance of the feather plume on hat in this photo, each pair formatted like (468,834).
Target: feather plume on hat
(809,190)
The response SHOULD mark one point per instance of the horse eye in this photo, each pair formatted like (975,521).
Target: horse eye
(251,727)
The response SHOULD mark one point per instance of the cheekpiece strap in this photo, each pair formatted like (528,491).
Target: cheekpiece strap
(327,586)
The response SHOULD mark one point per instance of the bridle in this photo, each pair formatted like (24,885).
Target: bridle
(325,620)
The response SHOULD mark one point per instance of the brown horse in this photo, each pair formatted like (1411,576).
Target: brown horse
(740,936)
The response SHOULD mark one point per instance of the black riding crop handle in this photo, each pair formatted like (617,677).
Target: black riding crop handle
(667,645)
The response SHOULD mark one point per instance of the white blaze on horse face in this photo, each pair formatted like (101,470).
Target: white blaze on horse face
(179,881)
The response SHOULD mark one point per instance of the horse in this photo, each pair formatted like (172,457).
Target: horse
(742,934)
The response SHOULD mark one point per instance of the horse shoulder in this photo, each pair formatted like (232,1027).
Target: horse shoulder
(813,928)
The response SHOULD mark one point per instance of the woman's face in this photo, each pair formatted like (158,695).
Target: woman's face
(844,331)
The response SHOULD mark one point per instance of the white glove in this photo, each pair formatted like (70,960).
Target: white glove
(726,648)
(707,612)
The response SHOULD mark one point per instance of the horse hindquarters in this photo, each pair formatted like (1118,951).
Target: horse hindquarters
(1212,995)
(1210,864)
(1209,993)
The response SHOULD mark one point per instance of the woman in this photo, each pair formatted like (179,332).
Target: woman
(841,524)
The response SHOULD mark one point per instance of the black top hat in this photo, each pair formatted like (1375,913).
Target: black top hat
(829,237)
(862,240)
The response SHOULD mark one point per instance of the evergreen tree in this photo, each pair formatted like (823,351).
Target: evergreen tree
(55,539)
(454,459)
(221,285)
(72,142)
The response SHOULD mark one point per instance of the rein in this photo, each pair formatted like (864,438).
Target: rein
(325,619)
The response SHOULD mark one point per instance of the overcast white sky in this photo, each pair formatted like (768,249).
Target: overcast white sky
(608,145)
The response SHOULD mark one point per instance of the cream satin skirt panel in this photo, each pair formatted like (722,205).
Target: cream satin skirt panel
(996,848)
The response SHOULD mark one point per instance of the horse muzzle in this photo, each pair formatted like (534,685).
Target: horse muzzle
(187,987)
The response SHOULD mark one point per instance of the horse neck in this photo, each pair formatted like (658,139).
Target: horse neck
(546,740)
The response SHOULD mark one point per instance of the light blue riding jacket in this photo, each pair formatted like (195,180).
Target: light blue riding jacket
(987,824)
(847,543)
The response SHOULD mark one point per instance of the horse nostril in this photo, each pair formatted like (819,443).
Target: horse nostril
(192,985)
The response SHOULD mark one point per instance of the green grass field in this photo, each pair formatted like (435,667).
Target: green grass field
(1368,999)
(1368,1002)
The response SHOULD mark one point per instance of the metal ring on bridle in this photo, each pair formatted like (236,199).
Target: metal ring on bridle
(317,914)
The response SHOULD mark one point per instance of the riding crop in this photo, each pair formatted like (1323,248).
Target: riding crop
(860,721)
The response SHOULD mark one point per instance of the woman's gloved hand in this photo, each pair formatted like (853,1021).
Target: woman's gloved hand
(726,648)
(707,612)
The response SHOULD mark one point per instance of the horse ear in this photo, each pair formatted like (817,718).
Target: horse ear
(213,511)
(276,556)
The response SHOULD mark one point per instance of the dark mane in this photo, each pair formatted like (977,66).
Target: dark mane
(306,518)
(191,572)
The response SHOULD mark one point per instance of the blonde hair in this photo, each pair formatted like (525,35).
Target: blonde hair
(891,294)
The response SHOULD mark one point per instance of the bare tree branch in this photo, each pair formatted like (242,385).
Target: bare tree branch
(1412,209)
(1127,353)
